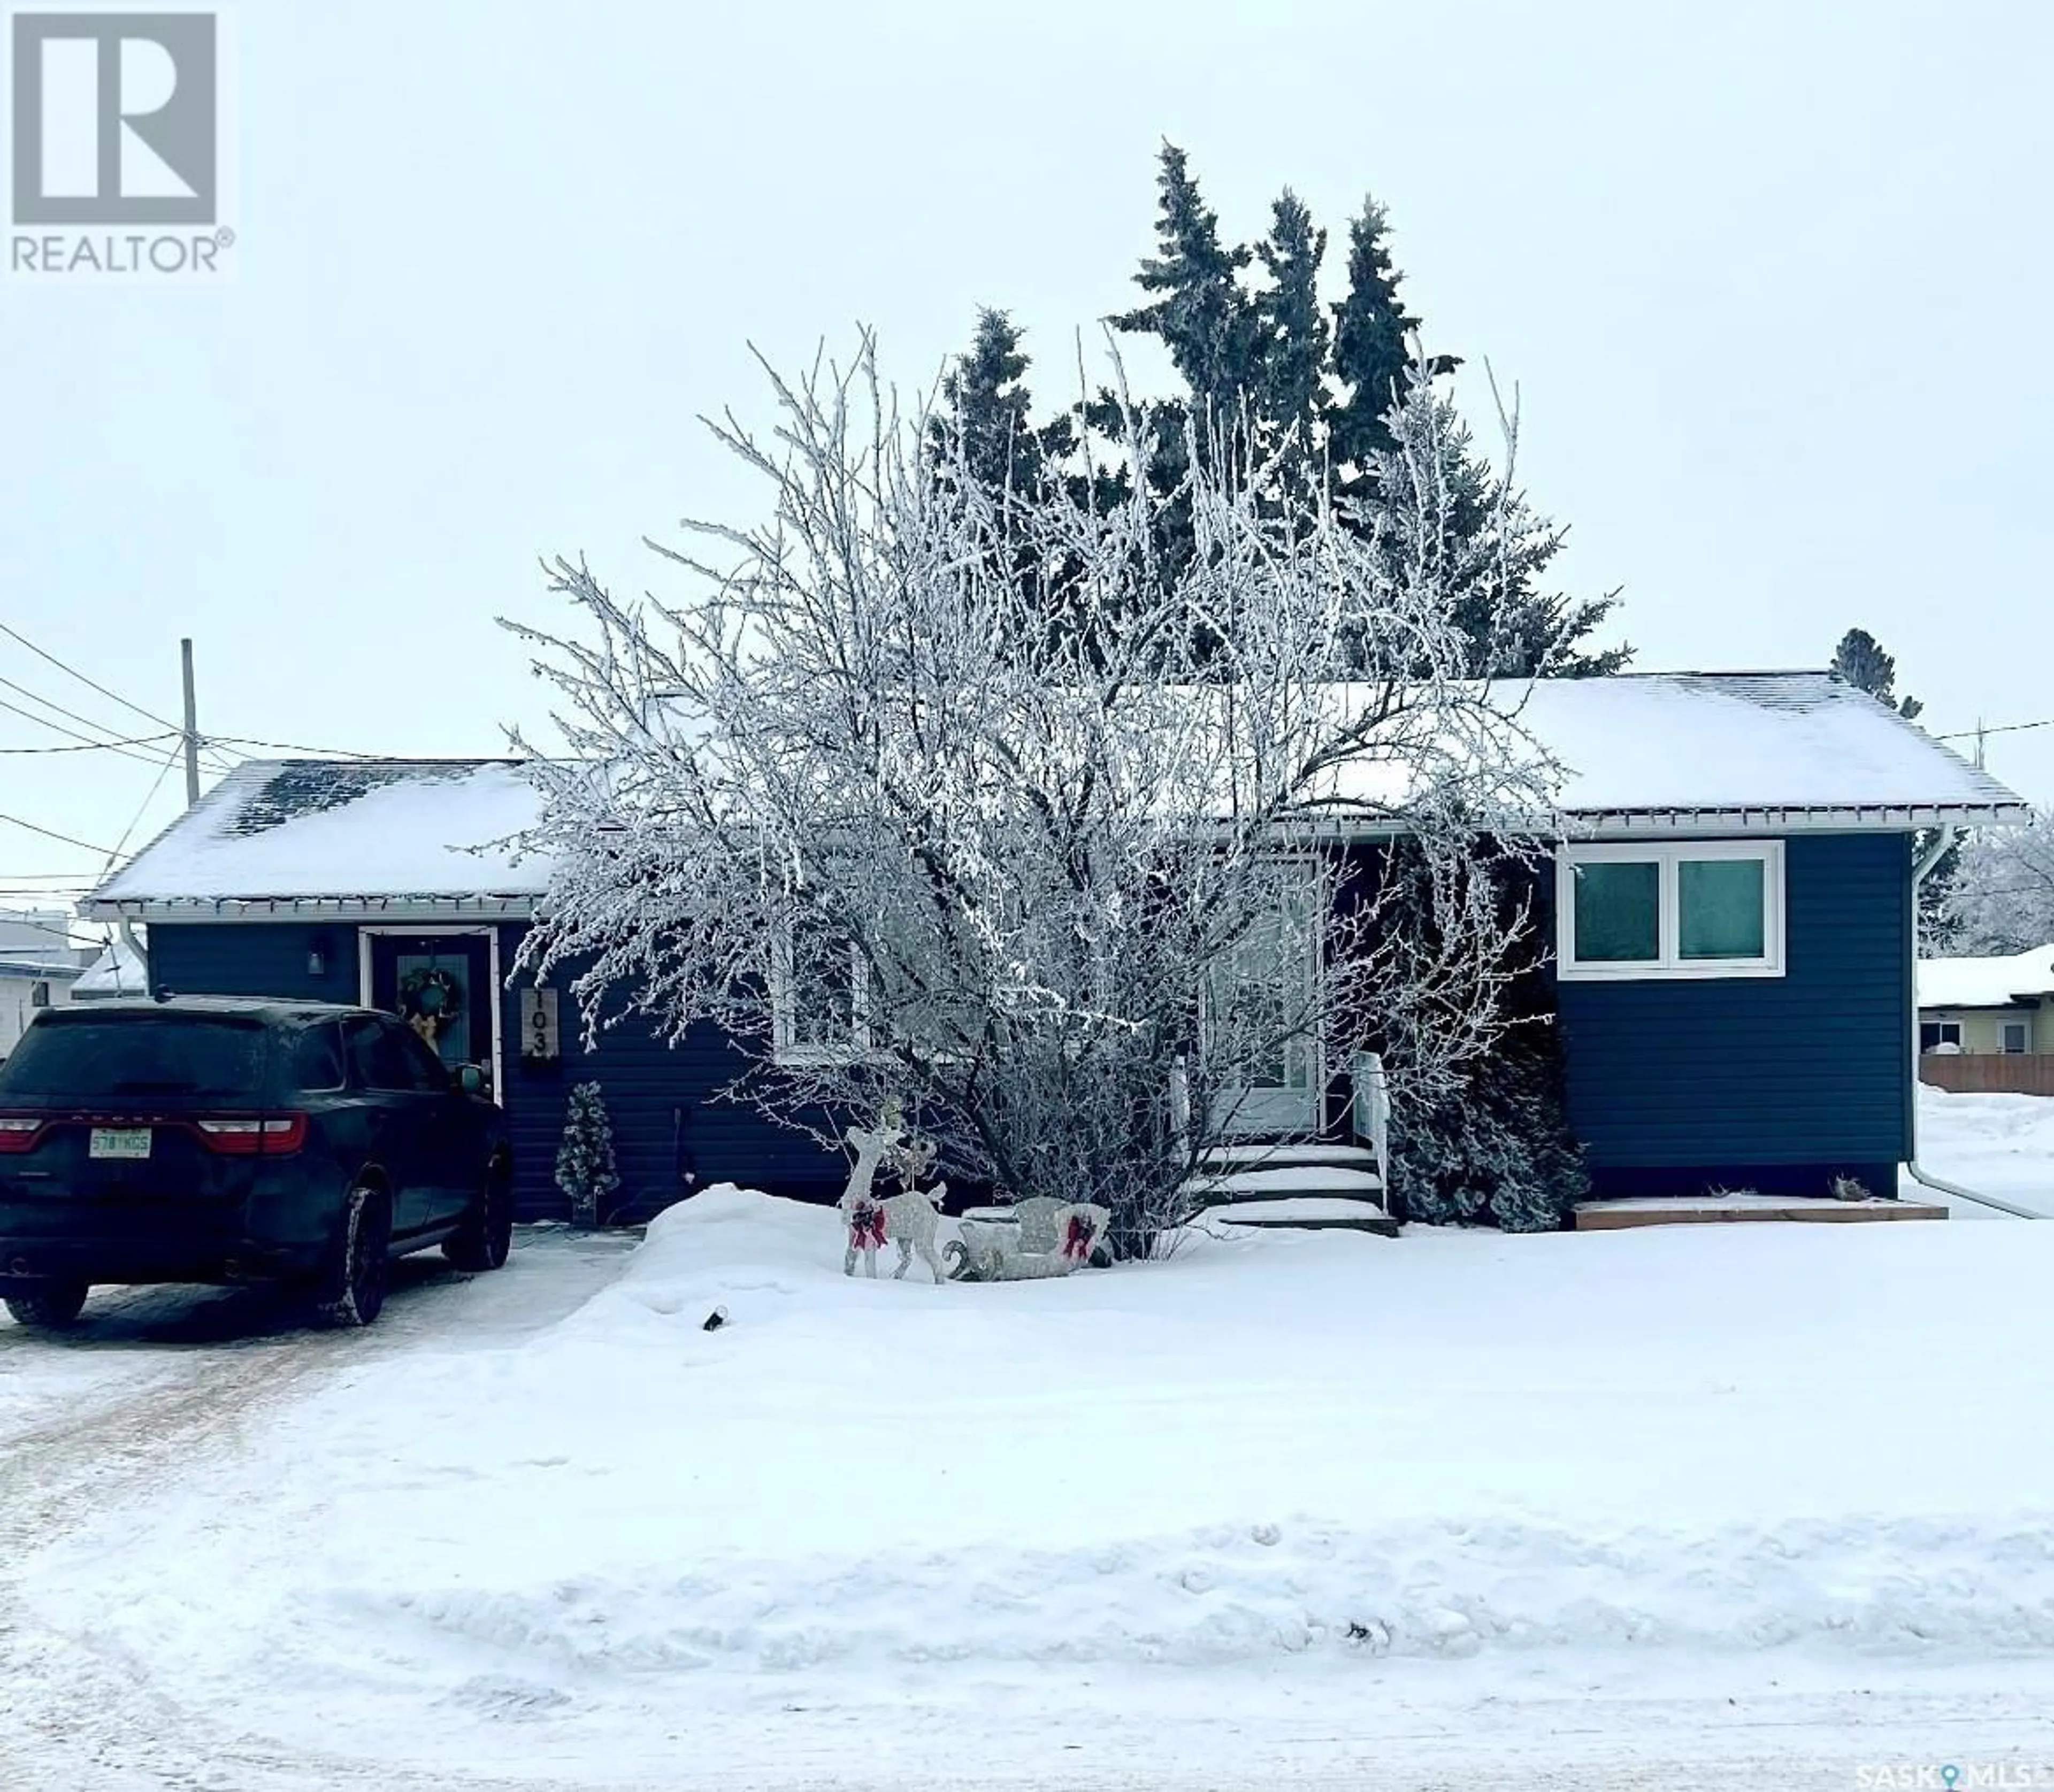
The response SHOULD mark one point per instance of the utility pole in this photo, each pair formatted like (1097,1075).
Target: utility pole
(192,726)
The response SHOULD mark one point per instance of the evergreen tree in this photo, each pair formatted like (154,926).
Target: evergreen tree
(1270,357)
(1440,505)
(1292,338)
(585,1168)
(1861,660)
(1201,313)
(988,408)
(1373,346)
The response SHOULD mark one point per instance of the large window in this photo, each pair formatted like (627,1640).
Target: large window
(1699,909)
(1939,1036)
(817,995)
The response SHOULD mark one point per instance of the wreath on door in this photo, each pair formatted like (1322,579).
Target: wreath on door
(429,1000)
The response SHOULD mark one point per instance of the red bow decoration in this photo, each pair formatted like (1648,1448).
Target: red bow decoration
(866,1230)
(1077,1241)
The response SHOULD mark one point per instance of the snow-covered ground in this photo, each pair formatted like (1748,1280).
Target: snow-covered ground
(1644,1508)
(1990,1144)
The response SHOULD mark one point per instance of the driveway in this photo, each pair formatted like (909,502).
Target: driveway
(152,1380)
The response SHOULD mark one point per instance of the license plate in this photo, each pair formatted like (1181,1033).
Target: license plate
(120,1142)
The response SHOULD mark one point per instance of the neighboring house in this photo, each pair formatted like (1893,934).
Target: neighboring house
(1979,1005)
(116,974)
(1986,1025)
(38,965)
(1732,905)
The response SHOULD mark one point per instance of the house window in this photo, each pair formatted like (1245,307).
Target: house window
(817,990)
(1934,1035)
(2017,1036)
(1698,909)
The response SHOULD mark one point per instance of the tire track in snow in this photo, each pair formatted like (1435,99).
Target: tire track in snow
(79,1712)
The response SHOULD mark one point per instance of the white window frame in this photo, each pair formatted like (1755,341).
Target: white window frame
(2024,1026)
(1942,1028)
(1666,856)
(786,1047)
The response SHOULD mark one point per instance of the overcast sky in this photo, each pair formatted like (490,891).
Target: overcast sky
(1771,278)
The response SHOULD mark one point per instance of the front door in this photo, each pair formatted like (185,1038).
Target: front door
(1263,998)
(441,985)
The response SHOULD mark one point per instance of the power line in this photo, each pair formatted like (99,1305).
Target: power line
(2007,728)
(19,920)
(289,746)
(51,833)
(89,746)
(113,746)
(100,727)
(171,759)
(148,715)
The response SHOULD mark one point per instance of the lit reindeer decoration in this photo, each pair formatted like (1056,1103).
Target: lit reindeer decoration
(910,1217)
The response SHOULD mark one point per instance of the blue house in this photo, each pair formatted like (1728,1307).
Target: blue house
(1731,902)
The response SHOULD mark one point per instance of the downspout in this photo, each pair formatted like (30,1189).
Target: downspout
(1919,873)
(126,929)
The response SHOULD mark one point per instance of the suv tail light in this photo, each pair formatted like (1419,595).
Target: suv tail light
(253,1138)
(19,1132)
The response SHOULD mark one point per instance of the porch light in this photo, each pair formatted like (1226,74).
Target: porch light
(317,959)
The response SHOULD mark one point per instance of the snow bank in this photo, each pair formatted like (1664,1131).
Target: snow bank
(1991,1145)
(1273,1454)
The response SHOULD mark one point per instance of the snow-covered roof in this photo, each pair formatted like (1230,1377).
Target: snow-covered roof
(1764,752)
(1965,983)
(1671,741)
(389,833)
(117,971)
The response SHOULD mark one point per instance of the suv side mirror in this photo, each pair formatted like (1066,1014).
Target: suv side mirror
(467,1079)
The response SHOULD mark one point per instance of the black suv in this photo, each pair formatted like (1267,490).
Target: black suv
(197,1140)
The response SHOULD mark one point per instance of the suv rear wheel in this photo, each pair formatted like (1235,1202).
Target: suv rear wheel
(486,1234)
(50,1307)
(353,1287)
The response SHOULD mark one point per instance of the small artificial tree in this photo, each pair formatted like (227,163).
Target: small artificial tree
(585,1169)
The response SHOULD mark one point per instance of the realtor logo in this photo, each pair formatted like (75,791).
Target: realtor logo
(117,141)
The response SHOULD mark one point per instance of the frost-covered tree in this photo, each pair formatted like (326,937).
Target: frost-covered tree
(1067,906)
(2001,898)
(586,1171)
(1438,498)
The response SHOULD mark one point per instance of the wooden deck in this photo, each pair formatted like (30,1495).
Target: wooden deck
(1615,1216)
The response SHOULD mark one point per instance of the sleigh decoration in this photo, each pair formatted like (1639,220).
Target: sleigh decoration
(1029,1241)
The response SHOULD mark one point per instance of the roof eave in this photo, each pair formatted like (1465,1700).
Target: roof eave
(396,908)
(1839,818)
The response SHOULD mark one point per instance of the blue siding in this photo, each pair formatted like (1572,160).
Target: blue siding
(670,1135)
(253,958)
(1777,1082)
